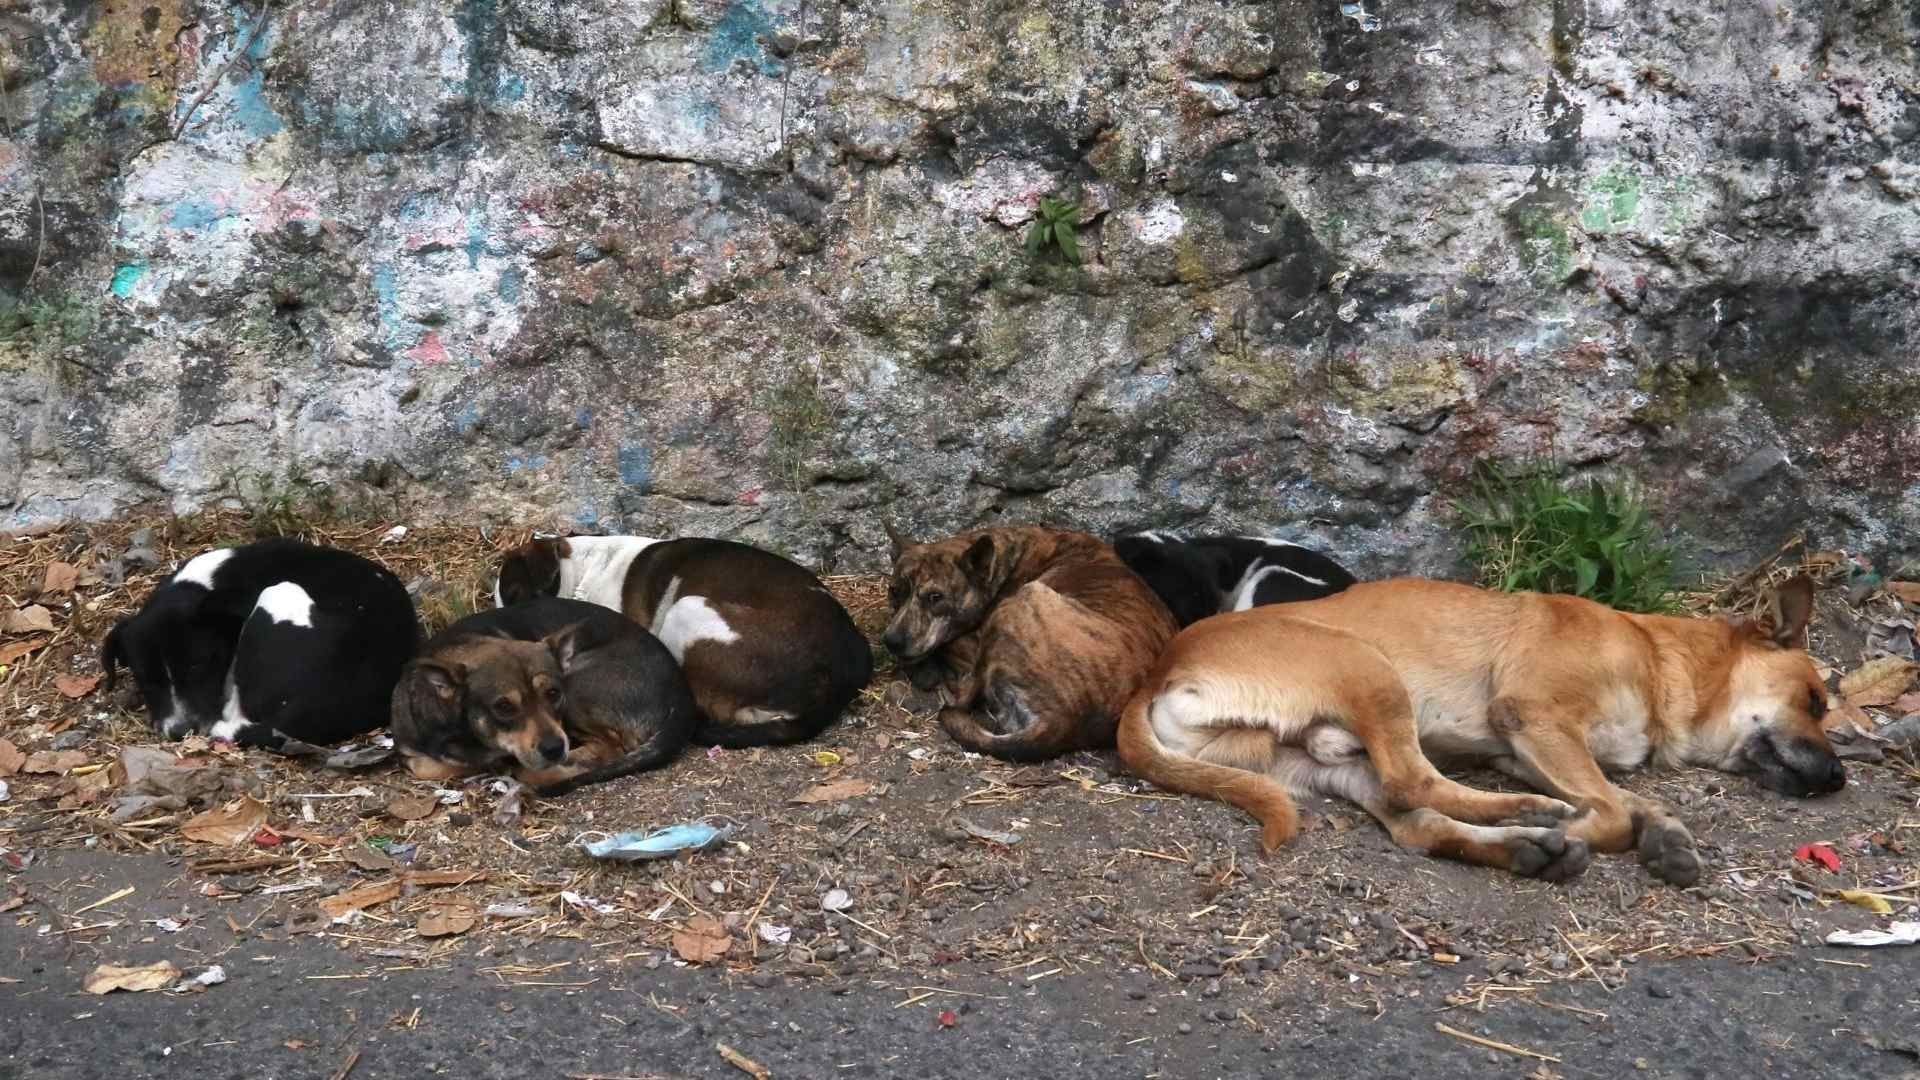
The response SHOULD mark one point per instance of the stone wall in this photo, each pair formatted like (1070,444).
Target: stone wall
(755,267)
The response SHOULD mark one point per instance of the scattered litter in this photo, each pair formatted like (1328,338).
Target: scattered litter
(5,791)
(14,651)
(703,941)
(512,909)
(512,805)
(362,757)
(366,858)
(949,1018)
(1900,933)
(61,578)
(213,976)
(659,844)
(775,935)
(446,920)
(1818,853)
(836,900)
(824,758)
(234,823)
(1873,902)
(107,978)
(53,761)
(834,791)
(292,886)
(15,861)
(10,758)
(991,835)
(170,926)
(449,797)
(588,902)
(394,535)
(76,686)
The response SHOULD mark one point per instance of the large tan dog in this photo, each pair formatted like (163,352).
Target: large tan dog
(1036,637)
(1340,696)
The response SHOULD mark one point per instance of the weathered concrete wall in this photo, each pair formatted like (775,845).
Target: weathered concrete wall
(754,266)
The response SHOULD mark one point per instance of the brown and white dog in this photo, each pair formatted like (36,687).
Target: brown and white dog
(1035,636)
(770,655)
(1342,695)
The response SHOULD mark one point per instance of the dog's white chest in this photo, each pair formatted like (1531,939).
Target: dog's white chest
(1618,737)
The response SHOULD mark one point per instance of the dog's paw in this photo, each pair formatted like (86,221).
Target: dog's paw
(1548,854)
(1668,853)
(926,675)
(1551,814)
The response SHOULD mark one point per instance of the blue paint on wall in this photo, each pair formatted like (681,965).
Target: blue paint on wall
(476,244)
(583,419)
(635,464)
(512,88)
(386,294)
(125,276)
(467,418)
(194,214)
(586,515)
(512,280)
(737,37)
(519,464)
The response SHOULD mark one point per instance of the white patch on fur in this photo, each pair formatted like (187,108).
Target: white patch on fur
(286,603)
(177,723)
(689,622)
(755,714)
(201,568)
(595,570)
(1617,737)
(1258,572)
(1156,536)
(232,717)
(1272,541)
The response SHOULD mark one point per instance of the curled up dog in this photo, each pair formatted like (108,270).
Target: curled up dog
(1034,636)
(561,692)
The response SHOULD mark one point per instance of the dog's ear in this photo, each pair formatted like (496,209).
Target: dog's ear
(426,703)
(530,571)
(977,561)
(895,541)
(567,643)
(1785,613)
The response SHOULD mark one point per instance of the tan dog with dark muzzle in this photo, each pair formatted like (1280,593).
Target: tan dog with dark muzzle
(1034,636)
(1352,695)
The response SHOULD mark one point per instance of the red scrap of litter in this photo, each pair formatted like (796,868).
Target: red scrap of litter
(266,837)
(948,1018)
(1819,853)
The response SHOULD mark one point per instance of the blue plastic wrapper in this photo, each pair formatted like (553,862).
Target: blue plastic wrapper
(659,844)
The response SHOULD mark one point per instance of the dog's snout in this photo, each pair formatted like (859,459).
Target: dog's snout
(1833,776)
(553,747)
(894,639)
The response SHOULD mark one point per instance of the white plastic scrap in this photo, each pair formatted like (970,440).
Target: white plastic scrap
(213,976)
(450,797)
(5,792)
(511,909)
(394,535)
(588,902)
(836,900)
(775,935)
(1900,933)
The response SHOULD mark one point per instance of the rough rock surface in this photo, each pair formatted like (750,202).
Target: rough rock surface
(755,267)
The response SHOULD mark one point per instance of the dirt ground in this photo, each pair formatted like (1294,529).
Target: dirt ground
(881,849)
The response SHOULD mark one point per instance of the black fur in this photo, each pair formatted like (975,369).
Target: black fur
(1200,577)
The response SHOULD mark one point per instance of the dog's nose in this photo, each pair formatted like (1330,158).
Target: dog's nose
(553,748)
(893,639)
(1836,777)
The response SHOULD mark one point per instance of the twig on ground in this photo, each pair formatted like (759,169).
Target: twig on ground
(1493,1044)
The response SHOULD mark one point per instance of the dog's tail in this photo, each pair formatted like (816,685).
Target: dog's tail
(1024,735)
(1146,757)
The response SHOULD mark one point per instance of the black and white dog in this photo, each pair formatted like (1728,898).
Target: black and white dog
(271,641)
(1211,574)
(769,653)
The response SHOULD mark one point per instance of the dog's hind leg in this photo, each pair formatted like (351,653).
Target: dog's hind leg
(1529,851)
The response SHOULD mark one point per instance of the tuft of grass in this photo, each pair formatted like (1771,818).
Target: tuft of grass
(293,505)
(1053,226)
(1528,529)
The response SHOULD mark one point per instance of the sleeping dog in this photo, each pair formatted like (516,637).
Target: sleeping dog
(770,655)
(272,641)
(567,691)
(1211,574)
(1034,636)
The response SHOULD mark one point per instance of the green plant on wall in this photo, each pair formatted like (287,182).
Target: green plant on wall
(1053,227)
(799,417)
(1528,529)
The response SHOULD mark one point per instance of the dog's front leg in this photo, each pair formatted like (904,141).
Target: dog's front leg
(1551,752)
(429,768)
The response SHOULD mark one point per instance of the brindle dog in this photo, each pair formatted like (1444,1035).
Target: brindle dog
(1035,637)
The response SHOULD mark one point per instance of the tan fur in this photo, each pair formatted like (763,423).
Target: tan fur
(1035,636)
(1247,706)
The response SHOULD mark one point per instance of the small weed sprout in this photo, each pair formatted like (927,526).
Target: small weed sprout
(1527,529)
(1053,226)
(292,506)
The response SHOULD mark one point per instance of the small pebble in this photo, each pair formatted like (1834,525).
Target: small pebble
(1185,1028)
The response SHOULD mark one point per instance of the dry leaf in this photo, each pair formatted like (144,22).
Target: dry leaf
(1878,681)
(702,942)
(53,761)
(10,653)
(412,807)
(1871,901)
(28,620)
(1902,705)
(107,978)
(61,578)
(76,686)
(313,836)
(234,823)
(90,789)
(446,921)
(365,896)
(370,859)
(1908,591)
(11,759)
(834,791)
(1846,717)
